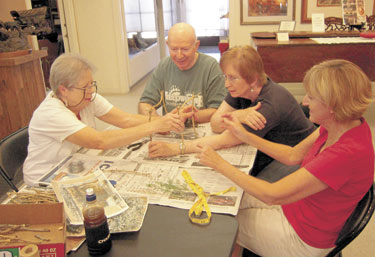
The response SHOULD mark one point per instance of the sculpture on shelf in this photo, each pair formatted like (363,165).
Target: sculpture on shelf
(12,38)
(337,24)
(13,35)
(137,43)
(133,46)
(36,21)
(370,22)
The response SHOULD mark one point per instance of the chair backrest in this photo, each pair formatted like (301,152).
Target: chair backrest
(13,152)
(356,222)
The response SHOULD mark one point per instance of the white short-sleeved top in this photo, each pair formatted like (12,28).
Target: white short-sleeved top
(50,125)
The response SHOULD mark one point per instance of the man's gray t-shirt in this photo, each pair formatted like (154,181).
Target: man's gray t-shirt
(204,79)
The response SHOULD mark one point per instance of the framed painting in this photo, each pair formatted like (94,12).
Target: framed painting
(312,6)
(322,3)
(267,12)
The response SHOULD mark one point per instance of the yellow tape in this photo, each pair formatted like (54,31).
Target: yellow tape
(201,204)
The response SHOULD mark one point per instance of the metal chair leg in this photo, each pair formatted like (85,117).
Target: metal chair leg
(10,183)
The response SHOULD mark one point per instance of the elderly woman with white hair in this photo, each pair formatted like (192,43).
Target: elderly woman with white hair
(65,120)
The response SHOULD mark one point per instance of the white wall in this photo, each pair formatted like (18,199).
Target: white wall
(96,30)
(8,5)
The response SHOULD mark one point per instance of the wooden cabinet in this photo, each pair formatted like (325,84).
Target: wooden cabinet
(289,61)
(22,89)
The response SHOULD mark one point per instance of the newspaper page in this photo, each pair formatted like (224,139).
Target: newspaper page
(72,192)
(160,179)
(78,165)
(164,185)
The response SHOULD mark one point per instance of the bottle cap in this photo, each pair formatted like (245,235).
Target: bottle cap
(90,195)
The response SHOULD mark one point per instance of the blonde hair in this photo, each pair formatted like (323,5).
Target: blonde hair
(246,61)
(342,86)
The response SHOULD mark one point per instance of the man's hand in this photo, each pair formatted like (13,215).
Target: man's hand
(162,149)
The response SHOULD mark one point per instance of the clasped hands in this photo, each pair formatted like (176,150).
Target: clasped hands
(188,112)
(174,121)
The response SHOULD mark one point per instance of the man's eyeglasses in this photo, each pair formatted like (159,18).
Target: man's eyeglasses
(230,78)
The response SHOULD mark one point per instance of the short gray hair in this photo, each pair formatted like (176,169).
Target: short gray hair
(67,70)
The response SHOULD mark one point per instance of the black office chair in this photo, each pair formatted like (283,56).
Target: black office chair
(13,152)
(352,228)
(355,223)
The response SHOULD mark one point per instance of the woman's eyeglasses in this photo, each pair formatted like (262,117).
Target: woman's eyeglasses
(91,88)
(230,78)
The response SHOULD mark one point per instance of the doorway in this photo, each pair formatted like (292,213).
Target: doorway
(143,22)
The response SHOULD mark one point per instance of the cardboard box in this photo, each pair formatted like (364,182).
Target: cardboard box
(37,216)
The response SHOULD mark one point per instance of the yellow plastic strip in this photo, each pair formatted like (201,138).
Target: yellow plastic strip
(201,204)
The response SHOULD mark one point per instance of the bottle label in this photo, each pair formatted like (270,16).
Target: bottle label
(98,238)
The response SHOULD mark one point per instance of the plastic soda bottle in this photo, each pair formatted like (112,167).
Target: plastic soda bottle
(98,238)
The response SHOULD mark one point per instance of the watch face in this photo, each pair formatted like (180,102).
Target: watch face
(182,148)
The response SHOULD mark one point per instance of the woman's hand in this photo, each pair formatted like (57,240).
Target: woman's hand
(252,117)
(233,124)
(162,149)
(170,121)
(207,156)
(255,119)
(186,112)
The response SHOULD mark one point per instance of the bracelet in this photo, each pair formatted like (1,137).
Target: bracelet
(182,148)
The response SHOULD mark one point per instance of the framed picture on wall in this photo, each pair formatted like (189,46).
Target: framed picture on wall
(322,3)
(267,12)
(316,6)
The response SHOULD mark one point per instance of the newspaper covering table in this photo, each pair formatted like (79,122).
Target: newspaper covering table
(160,179)
(72,192)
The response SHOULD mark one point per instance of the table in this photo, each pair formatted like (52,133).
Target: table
(167,231)
(289,61)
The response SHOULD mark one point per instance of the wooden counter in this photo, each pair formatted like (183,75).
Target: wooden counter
(22,89)
(288,61)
